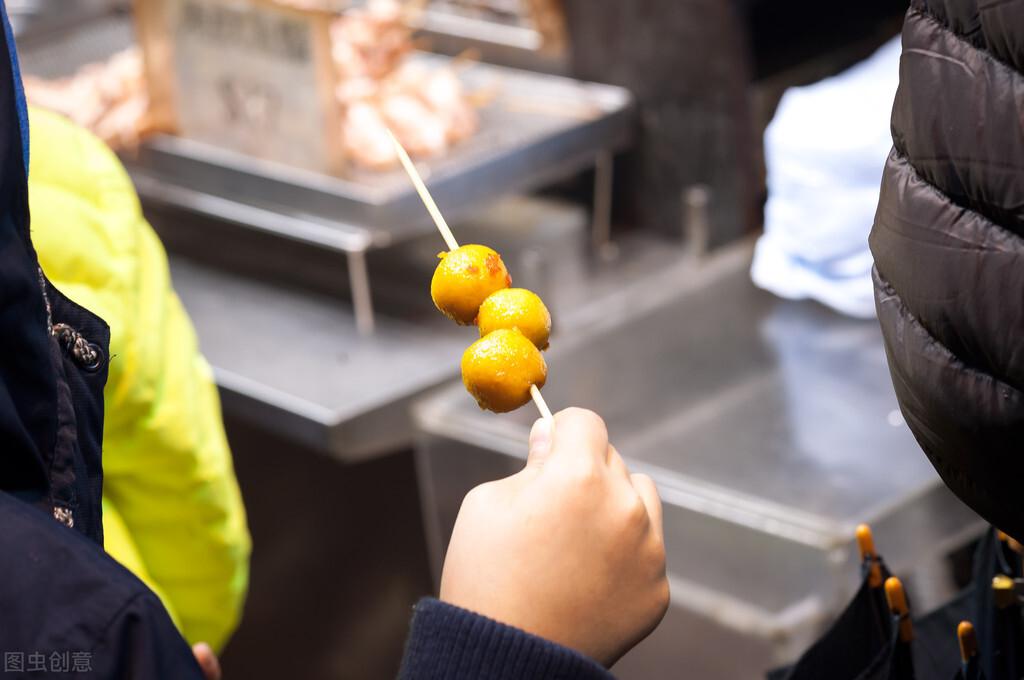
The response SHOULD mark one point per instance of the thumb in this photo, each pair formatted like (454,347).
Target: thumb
(540,442)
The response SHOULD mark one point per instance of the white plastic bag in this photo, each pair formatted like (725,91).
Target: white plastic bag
(824,152)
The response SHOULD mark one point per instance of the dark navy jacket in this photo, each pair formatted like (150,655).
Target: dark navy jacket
(68,606)
(65,605)
(446,642)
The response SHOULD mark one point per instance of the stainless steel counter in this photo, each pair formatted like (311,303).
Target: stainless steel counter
(297,362)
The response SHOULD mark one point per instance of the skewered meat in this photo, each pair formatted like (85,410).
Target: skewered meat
(365,136)
(444,94)
(109,98)
(420,131)
(427,109)
(370,41)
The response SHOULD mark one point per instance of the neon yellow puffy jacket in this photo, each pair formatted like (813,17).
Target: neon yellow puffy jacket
(172,512)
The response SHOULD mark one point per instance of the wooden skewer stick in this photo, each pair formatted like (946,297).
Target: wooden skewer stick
(542,405)
(968,640)
(898,605)
(449,239)
(425,196)
(866,544)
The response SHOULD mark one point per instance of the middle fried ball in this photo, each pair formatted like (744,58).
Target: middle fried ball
(499,368)
(516,308)
(463,280)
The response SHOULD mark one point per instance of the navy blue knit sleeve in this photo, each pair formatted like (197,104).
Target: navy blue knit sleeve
(448,643)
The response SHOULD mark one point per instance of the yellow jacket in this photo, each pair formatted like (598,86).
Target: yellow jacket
(172,512)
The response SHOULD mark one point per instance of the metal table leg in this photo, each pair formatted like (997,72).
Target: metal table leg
(362,300)
(601,224)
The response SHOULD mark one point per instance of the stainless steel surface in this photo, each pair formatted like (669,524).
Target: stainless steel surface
(42,18)
(332,235)
(696,230)
(67,35)
(362,301)
(601,220)
(771,429)
(507,30)
(507,44)
(298,364)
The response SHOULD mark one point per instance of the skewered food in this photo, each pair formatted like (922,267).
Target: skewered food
(516,308)
(365,136)
(471,285)
(504,369)
(499,368)
(464,278)
(427,108)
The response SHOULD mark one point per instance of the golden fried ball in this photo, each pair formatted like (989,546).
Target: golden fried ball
(499,368)
(516,308)
(463,280)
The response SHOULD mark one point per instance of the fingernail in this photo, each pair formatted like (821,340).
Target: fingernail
(540,438)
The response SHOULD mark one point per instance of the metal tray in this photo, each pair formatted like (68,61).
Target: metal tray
(536,130)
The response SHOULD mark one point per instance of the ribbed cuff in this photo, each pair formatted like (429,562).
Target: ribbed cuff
(447,642)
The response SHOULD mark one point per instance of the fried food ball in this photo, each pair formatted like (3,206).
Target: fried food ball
(499,368)
(463,280)
(516,308)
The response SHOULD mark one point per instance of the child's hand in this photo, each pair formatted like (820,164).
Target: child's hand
(207,661)
(570,548)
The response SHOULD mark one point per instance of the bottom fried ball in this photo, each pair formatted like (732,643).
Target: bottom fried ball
(499,368)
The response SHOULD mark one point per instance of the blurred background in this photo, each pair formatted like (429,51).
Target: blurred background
(688,185)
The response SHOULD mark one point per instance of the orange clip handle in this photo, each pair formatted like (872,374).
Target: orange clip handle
(1010,541)
(968,640)
(897,600)
(866,545)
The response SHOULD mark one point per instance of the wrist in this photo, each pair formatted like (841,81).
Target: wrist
(447,641)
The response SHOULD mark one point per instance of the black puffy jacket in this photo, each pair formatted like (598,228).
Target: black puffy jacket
(948,242)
